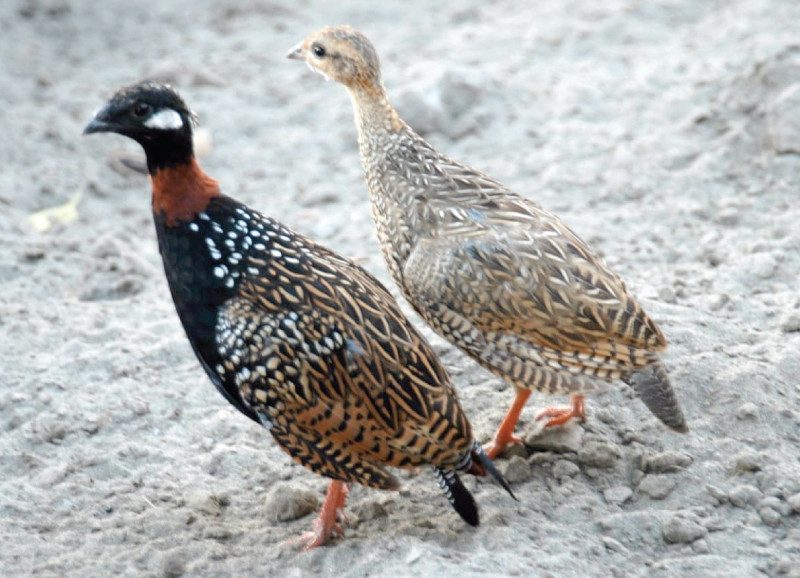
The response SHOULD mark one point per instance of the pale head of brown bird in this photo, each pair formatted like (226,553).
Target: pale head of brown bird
(342,54)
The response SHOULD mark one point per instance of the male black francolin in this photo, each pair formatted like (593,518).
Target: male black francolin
(297,338)
(491,271)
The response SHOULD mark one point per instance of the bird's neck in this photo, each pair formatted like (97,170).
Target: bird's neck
(182,191)
(376,119)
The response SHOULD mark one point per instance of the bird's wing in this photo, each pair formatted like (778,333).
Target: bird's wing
(321,350)
(508,266)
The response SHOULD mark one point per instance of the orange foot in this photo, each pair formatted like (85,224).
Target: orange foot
(505,433)
(325,525)
(561,415)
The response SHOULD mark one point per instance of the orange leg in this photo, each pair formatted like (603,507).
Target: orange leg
(561,415)
(505,433)
(326,523)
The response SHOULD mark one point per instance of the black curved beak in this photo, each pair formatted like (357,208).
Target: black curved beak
(100,122)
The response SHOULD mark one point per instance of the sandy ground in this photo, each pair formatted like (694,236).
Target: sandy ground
(665,133)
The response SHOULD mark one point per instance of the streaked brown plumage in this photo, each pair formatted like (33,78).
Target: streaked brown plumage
(297,338)
(492,272)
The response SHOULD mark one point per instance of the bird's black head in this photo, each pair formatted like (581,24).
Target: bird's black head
(155,116)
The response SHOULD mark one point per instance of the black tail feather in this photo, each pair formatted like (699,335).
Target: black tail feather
(460,497)
(652,385)
(488,464)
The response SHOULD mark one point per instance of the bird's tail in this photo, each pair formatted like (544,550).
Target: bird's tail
(477,463)
(460,497)
(653,386)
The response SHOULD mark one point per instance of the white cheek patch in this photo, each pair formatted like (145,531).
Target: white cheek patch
(166,119)
(325,76)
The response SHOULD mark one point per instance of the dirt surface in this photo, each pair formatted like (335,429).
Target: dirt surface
(665,133)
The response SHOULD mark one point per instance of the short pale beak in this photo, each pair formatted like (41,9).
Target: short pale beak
(297,52)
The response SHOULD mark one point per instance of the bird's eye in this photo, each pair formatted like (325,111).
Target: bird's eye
(141,109)
(319,51)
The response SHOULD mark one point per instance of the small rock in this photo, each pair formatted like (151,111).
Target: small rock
(667,295)
(657,486)
(413,555)
(565,469)
(598,455)
(370,510)
(683,529)
(747,410)
(173,565)
(791,324)
(617,494)
(794,502)
(762,265)
(666,462)
(560,440)
(770,516)
(744,495)
(748,461)
(604,415)
(285,502)
(701,546)
(517,470)
(716,493)
(205,503)
(727,217)
(785,567)
(218,532)
(539,458)
(614,545)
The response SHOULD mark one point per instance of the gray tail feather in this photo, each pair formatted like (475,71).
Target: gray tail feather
(460,497)
(653,387)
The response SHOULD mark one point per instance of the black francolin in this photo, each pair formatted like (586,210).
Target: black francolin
(297,338)
(492,272)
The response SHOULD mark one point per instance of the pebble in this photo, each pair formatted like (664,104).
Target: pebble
(791,324)
(770,516)
(716,493)
(786,567)
(614,545)
(565,469)
(634,529)
(218,532)
(665,462)
(701,546)
(747,410)
(560,440)
(744,495)
(285,502)
(370,510)
(517,470)
(748,461)
(598,455)
(205,503)
(794,502)
(173,565)
(617,494)
(683,529)
(657,486)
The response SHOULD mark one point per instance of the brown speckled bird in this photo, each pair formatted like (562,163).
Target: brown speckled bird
(490,271)
(297,338)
